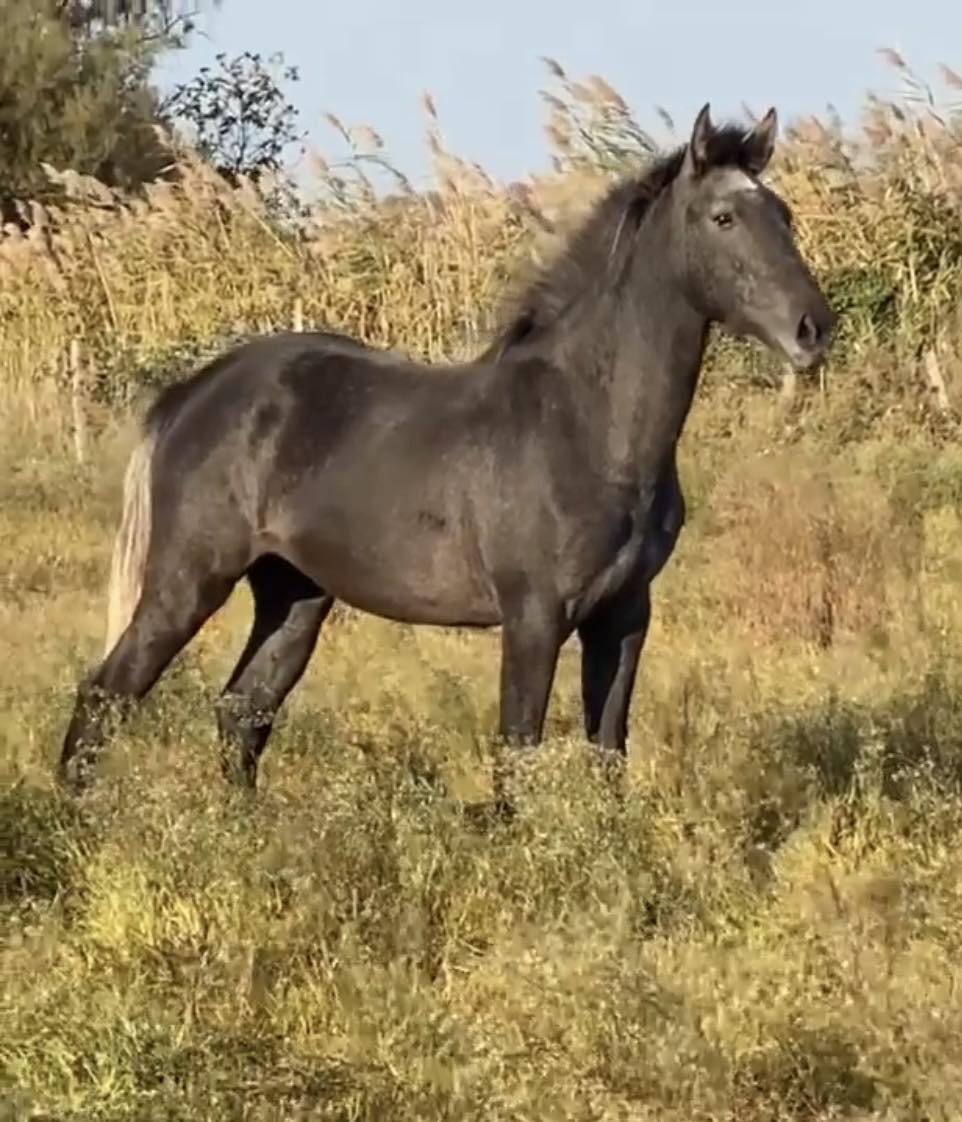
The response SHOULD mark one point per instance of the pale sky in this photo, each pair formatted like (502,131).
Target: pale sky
(369,61)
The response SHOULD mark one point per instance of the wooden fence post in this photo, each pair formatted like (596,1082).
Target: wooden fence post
(933,375)
(75,364)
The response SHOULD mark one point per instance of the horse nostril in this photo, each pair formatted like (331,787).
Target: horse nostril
(809,334)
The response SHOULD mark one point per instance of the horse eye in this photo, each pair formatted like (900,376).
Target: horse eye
(724,220)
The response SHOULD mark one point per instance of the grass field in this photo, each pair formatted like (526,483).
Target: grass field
(768,927)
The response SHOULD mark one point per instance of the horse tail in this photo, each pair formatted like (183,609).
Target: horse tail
(132,541)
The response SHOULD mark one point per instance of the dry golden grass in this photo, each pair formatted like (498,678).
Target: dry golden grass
(767,929)
(807,549)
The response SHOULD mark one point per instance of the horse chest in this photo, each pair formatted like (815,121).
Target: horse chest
(629,560)
(629,553)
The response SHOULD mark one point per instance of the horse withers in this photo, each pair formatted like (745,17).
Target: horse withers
(534,488)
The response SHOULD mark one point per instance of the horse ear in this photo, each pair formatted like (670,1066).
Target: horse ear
(696,158)
(760,142)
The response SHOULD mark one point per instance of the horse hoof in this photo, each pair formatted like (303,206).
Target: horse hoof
(75,774)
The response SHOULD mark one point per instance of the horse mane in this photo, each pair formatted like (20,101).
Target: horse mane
(599,247)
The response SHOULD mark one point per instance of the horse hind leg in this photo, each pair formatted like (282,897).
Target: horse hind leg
(163,588)
(289,610)
(163,624)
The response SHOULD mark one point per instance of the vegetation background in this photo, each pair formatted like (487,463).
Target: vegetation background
(768,928)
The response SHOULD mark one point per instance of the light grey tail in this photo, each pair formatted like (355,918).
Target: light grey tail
(131,544)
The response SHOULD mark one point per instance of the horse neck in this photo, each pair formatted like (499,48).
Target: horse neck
(634,357)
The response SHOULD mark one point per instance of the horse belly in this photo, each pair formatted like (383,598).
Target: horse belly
(408,573)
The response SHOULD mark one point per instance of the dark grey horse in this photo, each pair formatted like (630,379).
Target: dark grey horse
(534,488)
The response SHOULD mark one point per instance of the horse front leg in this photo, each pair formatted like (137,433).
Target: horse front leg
(611,647)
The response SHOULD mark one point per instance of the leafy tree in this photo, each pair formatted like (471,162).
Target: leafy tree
(80,101)
(241,116)
(164,16)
